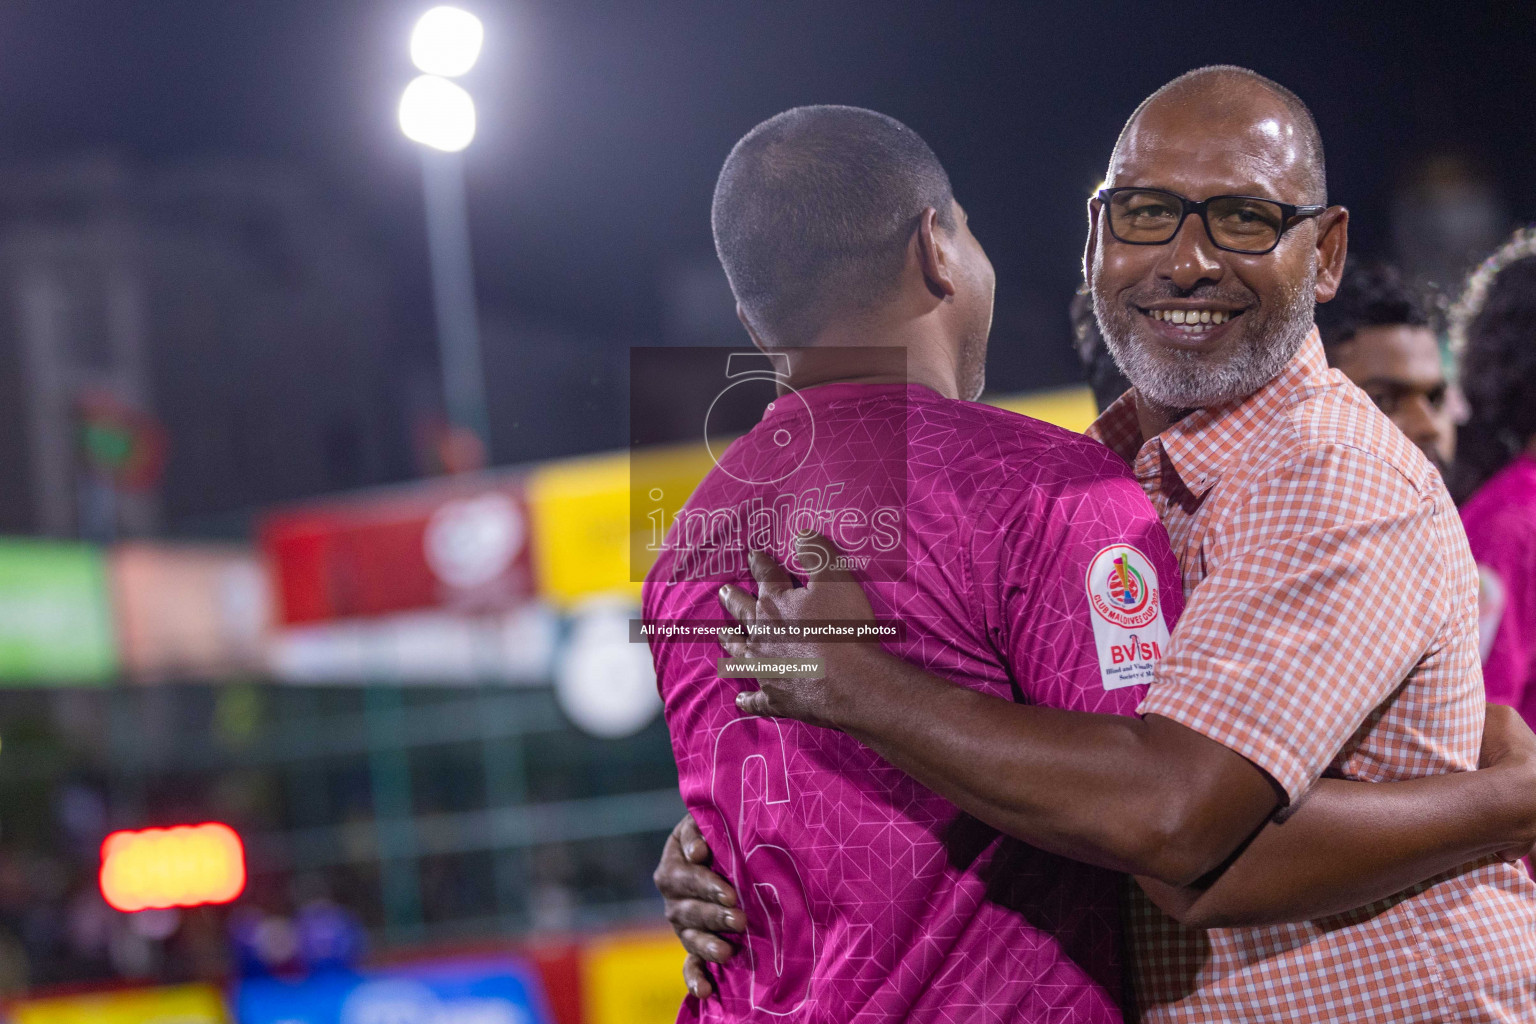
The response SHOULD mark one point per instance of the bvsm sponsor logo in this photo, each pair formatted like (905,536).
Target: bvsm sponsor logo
(1128,626)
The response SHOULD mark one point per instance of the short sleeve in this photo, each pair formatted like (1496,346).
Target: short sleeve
(1042,621)
(1324,588)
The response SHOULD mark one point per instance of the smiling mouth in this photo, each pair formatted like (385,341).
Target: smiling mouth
(1192,323)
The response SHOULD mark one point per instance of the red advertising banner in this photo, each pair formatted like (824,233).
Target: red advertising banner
(460,545)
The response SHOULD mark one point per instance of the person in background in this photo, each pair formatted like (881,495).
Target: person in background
(1104,377)
(1379,333)
(1493,327)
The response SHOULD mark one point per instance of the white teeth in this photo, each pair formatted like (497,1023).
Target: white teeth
(1196,321)
(1193,318)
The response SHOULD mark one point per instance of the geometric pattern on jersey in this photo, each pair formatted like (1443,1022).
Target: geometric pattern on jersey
(867,896)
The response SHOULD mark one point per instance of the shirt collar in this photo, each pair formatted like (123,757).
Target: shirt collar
(1199,446)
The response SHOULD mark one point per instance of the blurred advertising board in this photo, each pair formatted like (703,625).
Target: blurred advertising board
(499,990)
(633,979)
(178,1004)
(556,960)
(55,623)
(605,684)
(594,535)
(193,612)
(432,647)
(559,965)
(459,545)
(1072,408)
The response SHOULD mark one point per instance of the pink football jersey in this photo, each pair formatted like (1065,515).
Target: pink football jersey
(1500,520)
(1018,559)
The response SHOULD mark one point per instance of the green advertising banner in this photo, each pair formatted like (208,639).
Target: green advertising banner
(55,623)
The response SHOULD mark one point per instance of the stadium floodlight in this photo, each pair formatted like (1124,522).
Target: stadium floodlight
(440,115)
(435,112)
(446,41)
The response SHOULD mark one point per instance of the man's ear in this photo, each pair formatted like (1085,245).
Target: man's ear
(935,255)
(741,314)
(1091,248)
(1332,249)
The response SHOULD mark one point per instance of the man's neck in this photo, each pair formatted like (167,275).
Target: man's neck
(905,354)
(1154,418)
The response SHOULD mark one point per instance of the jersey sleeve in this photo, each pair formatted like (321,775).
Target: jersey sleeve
(1052,554)
(1324,592)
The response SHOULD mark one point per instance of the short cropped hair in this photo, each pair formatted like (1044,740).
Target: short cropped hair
(813,213)
(1370,295)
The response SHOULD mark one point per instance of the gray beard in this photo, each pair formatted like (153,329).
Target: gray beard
(1183,380)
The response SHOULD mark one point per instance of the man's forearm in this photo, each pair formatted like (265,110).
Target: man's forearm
(1352,843)
(1146,797)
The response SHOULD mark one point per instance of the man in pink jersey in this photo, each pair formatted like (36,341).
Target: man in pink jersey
(1495,325)
(869,896)
(1287,494)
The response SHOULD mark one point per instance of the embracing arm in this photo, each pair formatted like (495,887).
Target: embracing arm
(1348,844)
(1145,796)
(1352,843)
(1163,802)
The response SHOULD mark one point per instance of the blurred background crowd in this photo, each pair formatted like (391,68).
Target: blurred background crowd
(317,429)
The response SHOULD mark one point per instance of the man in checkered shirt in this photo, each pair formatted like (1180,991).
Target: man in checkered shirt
(1330,628)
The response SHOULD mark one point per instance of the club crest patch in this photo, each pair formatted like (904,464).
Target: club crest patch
(1126,608)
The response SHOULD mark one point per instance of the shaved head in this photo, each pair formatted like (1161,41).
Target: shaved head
(1224,92)
(813,212)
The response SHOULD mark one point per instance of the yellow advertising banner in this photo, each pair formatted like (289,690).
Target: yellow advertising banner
(591,534)
(633,979)
(179,1004)
(1072,408)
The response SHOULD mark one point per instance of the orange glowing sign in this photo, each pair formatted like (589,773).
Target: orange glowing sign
(185,866)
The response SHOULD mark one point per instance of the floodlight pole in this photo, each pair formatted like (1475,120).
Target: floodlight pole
(458,330)
(453,291)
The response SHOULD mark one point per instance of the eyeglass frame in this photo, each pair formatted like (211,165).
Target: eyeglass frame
(1290,215)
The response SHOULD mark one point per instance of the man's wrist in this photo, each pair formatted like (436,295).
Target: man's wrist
(860,686)
(1515,791)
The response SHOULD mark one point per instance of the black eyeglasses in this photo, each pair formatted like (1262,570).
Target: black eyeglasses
(1244,224)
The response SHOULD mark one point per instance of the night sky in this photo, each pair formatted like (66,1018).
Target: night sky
(603,124)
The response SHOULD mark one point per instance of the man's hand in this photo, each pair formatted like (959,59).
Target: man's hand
(831,593)
(700,904)
(1509,747)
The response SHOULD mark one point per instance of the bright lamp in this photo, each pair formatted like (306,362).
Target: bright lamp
(435,112)
(446,41)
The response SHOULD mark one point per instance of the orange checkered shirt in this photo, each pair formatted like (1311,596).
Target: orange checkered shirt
(1330,629)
